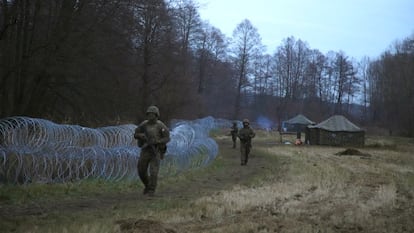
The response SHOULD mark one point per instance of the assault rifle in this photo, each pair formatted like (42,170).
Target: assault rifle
(151,142)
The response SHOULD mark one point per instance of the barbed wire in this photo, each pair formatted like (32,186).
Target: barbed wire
(39,150)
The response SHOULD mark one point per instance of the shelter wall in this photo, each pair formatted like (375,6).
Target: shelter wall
(324,137)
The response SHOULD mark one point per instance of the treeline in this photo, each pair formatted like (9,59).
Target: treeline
(391,88)
(100,62)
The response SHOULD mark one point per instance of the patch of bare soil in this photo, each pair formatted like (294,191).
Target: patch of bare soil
(352,151)
(143,226)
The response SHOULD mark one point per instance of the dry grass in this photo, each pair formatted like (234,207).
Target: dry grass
(304,189)
(319,186)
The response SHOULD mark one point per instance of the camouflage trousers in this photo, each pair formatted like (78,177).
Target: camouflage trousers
(149,162)
(244,152)
(234,139)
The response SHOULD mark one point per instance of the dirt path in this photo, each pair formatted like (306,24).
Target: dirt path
(187,189)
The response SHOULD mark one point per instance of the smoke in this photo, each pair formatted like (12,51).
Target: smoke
(265,122)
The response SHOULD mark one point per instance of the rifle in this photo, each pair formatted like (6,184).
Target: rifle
(149,141)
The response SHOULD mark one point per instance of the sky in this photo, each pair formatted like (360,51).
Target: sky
(357,27)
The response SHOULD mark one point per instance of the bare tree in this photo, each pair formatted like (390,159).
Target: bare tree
(314,75)
(210,46)
(292,62)
(364,72)
(152,34)
(188,25)
(214,79)
(262,83)
(188,22)
(344,75)
(247,43)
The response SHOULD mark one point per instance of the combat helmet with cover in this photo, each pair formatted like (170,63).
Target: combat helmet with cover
(153,109)
(246,121)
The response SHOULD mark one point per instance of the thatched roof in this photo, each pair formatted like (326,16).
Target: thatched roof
(300,120)
(337,123)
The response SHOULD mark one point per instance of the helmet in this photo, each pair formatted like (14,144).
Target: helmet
(246,121)
(153,109)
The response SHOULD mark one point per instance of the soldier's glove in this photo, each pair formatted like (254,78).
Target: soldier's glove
(140,136)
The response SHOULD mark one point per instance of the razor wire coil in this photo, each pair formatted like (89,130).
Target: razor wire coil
(39,150)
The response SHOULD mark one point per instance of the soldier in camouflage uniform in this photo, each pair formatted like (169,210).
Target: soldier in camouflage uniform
(245,135)
(234,130)
(152,136)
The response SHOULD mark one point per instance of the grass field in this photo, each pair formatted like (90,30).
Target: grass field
(284,188)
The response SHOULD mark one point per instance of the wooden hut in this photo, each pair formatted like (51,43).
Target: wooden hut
(336,131)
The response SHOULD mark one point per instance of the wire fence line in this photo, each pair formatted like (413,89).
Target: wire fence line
(38,150)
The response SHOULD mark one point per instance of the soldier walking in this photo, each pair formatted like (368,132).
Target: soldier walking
(234,131)
(153,136)
(245,135)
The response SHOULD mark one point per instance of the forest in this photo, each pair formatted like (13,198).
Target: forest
(103,62)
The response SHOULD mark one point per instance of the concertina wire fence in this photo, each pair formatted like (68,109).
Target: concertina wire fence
(36,150)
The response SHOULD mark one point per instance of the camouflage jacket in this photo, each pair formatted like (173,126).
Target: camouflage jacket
(234,130)
(152,134)
(246,134)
